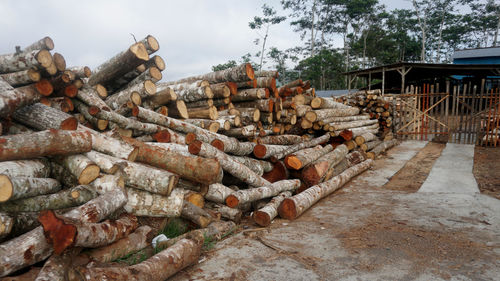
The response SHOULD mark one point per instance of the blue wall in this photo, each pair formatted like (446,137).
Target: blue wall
(483,60)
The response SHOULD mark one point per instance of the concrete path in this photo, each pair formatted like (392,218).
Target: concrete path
(452,172)
(363,232)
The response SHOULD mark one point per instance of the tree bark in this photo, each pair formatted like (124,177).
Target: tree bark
(385,145)
(38,168)
(25,60)
(12,188)
(196,169)
(191,91)
(135,93)
(243,72)
(56,267)
(12,99)
(200,103)
(249,116)
(297,147)
(360,139)
(293,207)
(299,160)
(42,117)
(161,97)
(247,131)
(149,178)
(282,139)
(6,225)
(220,90)
(218,193)
(34,247)
(63,199)
(196,214)
(226,212)
(22,77)
(253,194)
(265,151)
(251,94)
(361,130)
(119,64)
(370,145)
(134,242)
(143,203)
(45,43)
(107,183)
(45,143)
(266,214)
(228,164)
(352,124)
(350,160)
(159,267)
(266,105)
(81,167)
(343,119)
(254,164)
(105,162)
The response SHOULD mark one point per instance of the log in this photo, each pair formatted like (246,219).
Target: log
(293,207)
(250,94)
(15,224)
(218,193)
(42,117)
(34,247)
(344,119)
(106,183)
(238,170)
(12,188)
(161,97)
(264,151)
(38,168)
(243,72)
(56,267)
(220,90)
(247,131)
(265,215)
(253,194)
(234,120)
(6,225)
(119,64)
(45,43)
(225,211)
(361,130)
(204,124)
(151,44)
(249,116)
(196,169)
(324,103)
(134,93)
(12,99)
(112,146)
(200,103)
(255,164)
(121,248)
(350,160)
(335,112)
(370,145)
(190,92)
(143,203)
(195,214)
(80,71)
(385,145)
(105,162)
(282,139)
(203,113)
(46,143)
(64,199)
(299,160)
(22,77)
(265,105)
(315,172)
(159,267)
(25,60)
(352,124)
(89,235)
(361,139)
(84,170)
(299,146)
(267,73)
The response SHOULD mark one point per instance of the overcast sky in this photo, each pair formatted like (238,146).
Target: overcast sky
(193,35)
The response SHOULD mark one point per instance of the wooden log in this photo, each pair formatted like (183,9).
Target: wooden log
(134,93)
(25,60)
(246,84)
(84,170)
(281,139)
(370,145)
(161,97)
(293,207)
(178,109)
(243,72)
(196,169)
(56,267)
(89,235)
(13,99)
(112,146)
(42,117)
(12,188)
(265,151)
(46,143)
(119,64)
(105,162)
(106,183)
(254,164)
(352,124)
(45,43)
(6,225)
(250,95)
(299,146)
(253,194)
(220,90)
(37,168)
(385,145)
(15,224)
(361,130)
(265,215)
(80,71)
(196,215)
(233,120)
(301,159)
(63,199)
(266,82)
(121,248)
(33,245)
(249,116)
(22,77)
(315,172)
(159,267)
(143,203)
(225,211)
(203,113)
(200,103)
(344,118)
(218,193)
(192,91)
(247,131)
(228,164)
(332,112)
(265,105)
(364,138)
(204,124)
(350,160)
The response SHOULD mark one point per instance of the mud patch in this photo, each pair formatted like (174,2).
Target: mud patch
(487,170)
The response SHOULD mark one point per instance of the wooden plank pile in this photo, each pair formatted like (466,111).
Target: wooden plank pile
(86,157)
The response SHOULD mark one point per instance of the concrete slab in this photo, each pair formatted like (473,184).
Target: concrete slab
(363,232)
(452,172)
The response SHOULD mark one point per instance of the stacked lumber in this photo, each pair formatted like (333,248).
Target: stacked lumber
(82,175)
(378,107)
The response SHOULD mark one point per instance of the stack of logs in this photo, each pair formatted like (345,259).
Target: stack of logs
(83,168)
(377,106)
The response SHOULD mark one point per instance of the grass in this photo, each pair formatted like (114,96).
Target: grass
(208,242)
(174,228)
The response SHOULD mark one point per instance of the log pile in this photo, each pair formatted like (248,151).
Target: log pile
(82,173)
(378,107)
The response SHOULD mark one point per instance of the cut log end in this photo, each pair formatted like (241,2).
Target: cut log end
(293,162)
(139,50)
(44,87)
(190,138)
(71,91)
(279,172)
(133,155)
(58,233)
(49,44)
(287,209)
(162,136)
(195,147)
(153,43)
(218,144)
(259,151)
(34,75)
(249,71)
(155,73)
(101,91)
(69,124)
(44,58)
(150,87)
(261,218)
(135,97)
(89,174)
(232,201)
(6,188)
(59,61)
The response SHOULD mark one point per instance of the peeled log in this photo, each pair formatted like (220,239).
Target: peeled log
(385,145)
(38,168)
(315,172)
(243,72)
(254,194)
(130,244)
(143,203)
(119,64)
(293,207)
(299,160)
(238,170)
(89,235)
(159,267)
(266,214)
(12,188)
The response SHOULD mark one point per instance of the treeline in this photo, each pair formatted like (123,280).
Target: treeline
(371,34)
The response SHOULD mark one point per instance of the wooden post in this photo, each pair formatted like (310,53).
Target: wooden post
(383,81)
(369,81)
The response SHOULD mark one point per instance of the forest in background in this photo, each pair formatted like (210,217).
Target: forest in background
(371,35)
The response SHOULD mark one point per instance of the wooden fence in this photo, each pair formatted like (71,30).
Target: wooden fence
(468,114)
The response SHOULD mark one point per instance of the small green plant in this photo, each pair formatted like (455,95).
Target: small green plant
(174,228)
(208,242)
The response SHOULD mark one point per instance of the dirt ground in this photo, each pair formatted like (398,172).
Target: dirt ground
(487,170)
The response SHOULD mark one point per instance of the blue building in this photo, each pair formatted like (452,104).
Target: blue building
(489,55)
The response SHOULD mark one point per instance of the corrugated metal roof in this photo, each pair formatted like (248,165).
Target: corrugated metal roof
(477,53)
(329,93)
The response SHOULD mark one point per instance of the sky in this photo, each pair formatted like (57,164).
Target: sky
(194,35)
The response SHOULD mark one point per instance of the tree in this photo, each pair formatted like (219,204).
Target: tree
(305,13)
(222,66)
(324,70)
(269,18)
